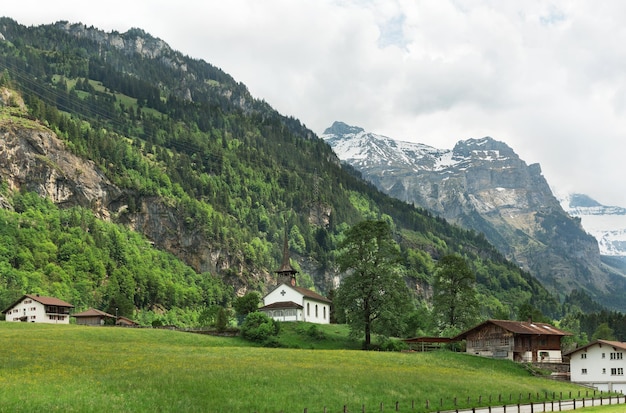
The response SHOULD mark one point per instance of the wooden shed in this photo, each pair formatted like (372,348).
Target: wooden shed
(93,317)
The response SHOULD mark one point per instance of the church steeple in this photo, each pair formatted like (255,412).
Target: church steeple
(286,273)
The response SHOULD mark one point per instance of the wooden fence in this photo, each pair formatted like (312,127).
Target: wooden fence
(489,404)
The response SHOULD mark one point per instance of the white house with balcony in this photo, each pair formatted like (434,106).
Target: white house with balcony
(33,308)
(600,364)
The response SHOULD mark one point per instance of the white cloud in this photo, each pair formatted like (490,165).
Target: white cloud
(546,77)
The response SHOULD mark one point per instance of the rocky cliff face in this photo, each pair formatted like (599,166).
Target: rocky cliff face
(483,185)
(33,158)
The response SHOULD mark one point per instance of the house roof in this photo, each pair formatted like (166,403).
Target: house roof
(518,327)
(281,305)
(40,299)
(614,344)
(92,312)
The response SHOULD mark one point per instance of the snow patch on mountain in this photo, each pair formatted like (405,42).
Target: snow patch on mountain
(606,223)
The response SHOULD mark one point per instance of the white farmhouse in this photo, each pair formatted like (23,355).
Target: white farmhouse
(34,308)
(288,302)
(600,364)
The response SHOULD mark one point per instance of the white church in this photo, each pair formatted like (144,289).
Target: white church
(288,302)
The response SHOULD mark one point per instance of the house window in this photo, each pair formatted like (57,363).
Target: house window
(308,309)
(603,355)
(584,371)
(603,371)
(617,371)
(616,356)
(324,311)
(316,311)
(583,355)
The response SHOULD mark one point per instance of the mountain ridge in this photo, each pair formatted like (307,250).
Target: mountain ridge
(483,185)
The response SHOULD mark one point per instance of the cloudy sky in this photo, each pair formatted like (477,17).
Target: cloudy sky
(546,77)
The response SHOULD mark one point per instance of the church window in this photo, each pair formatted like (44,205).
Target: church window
(316,311)
(308,309)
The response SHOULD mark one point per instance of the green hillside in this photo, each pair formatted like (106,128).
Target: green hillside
(228,172)
(61,368)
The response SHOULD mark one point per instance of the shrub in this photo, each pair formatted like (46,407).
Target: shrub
(222,319)
(315,333)
(258,327)
(393,345)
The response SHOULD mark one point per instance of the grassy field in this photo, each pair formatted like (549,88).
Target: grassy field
(99,369)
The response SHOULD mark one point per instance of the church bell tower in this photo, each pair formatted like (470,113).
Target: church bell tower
(286,273)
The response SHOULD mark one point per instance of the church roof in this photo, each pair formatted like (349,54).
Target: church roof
(311,294)
(281,305)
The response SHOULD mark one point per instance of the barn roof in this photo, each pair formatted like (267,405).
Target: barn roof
(518,327)
(92,312)
(126,320)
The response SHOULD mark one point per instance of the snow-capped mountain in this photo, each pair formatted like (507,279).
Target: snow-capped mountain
(483,185)
(606,223)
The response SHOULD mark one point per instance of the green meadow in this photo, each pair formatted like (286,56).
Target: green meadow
(73,368)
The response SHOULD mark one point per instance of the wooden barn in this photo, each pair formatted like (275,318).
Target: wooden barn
(521,341)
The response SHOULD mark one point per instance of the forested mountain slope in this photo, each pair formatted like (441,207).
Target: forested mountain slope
(178,151)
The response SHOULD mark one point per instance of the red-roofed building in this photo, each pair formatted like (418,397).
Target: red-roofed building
(34,308)
(522,341)
(92,317)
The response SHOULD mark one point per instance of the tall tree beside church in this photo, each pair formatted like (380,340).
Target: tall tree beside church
(372,296)
(455,302)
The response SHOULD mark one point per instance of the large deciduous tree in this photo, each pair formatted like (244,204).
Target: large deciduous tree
(373,296)
(455,302)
